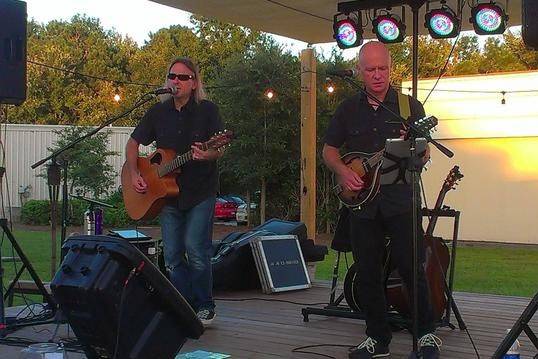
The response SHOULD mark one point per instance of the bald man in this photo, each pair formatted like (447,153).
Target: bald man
(361,125)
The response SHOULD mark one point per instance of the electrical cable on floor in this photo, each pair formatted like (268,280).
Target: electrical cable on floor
(300,349)
(266,300)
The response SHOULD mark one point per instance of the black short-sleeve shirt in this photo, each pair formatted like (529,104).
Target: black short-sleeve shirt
(356,126)
(178,130)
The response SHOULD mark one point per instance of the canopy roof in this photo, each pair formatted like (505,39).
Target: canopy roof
(311,20)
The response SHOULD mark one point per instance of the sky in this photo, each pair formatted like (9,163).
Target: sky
(137,18)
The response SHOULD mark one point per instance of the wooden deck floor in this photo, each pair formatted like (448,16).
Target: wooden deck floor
(272,329)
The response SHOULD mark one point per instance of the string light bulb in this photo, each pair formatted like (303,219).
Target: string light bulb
(269,93)
(117,97)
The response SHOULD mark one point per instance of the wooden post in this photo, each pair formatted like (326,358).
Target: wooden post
(308,141)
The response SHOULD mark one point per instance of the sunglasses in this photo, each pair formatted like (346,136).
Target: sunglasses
(180,77)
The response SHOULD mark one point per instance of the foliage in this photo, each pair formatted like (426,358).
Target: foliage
(38,212)
(267,131)
(88,169)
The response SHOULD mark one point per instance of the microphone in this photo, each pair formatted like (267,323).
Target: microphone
(343,73)
(164,90)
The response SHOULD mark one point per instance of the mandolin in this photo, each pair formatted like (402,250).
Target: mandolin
(368,166)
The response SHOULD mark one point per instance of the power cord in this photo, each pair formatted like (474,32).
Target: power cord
(266,300)
(300,349)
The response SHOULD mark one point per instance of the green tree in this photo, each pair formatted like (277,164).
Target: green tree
(265,154)
(81,46)
(89,172)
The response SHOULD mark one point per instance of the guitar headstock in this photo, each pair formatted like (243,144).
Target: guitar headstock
(425,124)
(452,179)
(220,139)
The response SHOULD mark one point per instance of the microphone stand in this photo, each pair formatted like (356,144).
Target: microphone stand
(414,168)
(56,158)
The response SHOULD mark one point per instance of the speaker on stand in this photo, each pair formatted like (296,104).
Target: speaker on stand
(12,51)
(529,28)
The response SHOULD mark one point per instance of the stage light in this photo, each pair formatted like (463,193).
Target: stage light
(488,19)
(442,23)
(388,28)
(347,32)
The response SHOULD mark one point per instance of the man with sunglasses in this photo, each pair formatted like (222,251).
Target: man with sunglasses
(183,122)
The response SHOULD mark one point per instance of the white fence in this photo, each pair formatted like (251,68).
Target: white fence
(24,145)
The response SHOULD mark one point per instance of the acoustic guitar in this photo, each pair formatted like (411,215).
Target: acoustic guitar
(436,262)
(160,170)
(368,166)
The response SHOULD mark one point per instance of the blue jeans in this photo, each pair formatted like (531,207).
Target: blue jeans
(186,238)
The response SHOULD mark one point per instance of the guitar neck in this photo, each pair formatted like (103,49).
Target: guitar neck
(374,159)
(178,161)
(434,217)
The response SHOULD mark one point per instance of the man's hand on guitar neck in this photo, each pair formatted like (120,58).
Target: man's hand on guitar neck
(200,155)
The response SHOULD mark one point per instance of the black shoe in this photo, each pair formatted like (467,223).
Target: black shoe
(429,346)
(369,349)
(206,316)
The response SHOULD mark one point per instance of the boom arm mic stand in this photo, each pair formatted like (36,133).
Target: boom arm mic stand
(56,158)
(414,168)
(53,174)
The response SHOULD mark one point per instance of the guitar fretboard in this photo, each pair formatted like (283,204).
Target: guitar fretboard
(177,162)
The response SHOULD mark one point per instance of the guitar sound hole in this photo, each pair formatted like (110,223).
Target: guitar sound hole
(156,159)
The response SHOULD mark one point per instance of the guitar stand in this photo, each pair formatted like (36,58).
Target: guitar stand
(51,306)
(451,304)
(335,309)
(522,324)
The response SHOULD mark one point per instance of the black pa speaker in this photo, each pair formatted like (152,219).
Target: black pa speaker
(529,29)
(118,303)
(12,51)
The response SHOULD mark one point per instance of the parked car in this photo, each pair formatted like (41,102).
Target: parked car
(241,211)
(241,216)
(225,209)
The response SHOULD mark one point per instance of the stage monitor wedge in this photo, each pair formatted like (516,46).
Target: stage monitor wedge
(529,28)
(118,303)
(12,52)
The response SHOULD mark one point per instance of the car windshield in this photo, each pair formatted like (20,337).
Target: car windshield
(235,199)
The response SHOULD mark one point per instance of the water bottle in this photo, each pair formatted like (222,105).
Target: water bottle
(93,221)
(89,222)
(98,216)
(513,352)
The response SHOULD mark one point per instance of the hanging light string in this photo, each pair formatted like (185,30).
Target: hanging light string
(502,92)
(100,78)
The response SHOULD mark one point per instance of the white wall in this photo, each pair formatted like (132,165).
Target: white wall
(496,147)
(24,145)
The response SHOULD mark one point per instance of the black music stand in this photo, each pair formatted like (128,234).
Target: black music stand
(521,324)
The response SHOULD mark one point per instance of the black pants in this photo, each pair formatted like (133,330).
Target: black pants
(368,243)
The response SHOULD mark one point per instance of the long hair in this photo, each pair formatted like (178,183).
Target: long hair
(199,92)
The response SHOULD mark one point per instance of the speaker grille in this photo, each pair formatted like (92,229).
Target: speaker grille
(12,51)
